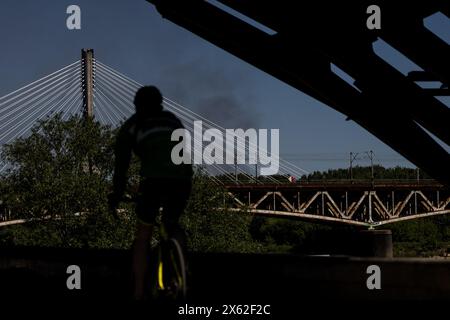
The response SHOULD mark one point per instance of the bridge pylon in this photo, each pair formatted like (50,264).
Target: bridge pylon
(87,65)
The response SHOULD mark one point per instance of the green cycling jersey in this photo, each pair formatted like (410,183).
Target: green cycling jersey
(150,139)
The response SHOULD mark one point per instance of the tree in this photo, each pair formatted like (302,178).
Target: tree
(61,174)
(210,225)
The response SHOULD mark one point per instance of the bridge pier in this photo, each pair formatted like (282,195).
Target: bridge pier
(375,243)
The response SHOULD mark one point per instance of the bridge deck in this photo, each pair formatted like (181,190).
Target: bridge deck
(345,185)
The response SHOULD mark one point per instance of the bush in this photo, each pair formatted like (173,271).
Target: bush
(210,225)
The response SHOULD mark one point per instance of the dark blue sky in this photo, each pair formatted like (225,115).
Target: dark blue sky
(132,37)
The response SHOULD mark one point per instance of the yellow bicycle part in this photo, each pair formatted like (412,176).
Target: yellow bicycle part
(160,275)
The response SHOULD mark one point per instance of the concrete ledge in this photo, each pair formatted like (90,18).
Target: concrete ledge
(224,277)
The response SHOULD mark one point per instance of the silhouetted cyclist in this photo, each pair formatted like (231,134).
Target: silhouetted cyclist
(147,133)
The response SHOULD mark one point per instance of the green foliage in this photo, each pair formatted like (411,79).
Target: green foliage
(95,231)
(215,230)
(60,169)
(279,232)
(61,173)
(59,177)
(422,237)
(358,173)
(365,173)
(286,235)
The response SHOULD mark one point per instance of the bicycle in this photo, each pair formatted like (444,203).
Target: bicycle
(167,273)
(169,268)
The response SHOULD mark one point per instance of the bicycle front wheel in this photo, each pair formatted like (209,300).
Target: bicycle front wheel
(172,271)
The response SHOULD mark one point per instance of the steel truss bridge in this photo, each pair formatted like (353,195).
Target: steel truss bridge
(360,204)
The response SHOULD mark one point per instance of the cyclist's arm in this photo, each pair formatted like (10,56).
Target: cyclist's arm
(123,150)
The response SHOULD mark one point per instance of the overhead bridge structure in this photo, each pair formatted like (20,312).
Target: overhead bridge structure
(301,40)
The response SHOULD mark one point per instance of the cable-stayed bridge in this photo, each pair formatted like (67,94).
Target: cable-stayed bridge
(92,87)
(66,91)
